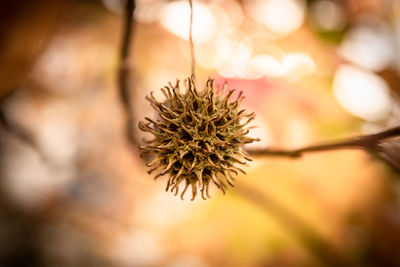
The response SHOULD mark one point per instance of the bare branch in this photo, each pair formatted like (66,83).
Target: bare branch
(11,128)
(366,142)
(124,70)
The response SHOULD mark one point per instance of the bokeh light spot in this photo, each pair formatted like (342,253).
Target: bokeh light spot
(175,17)
(328,15)
(362,93)
(368,46)
(282,17)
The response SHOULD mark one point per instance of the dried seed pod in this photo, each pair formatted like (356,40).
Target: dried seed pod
(198,137)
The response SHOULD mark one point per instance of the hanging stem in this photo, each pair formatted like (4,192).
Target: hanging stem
(124,71)
(193,62)
(367,142)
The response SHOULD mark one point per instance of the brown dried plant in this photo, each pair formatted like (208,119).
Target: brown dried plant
(198,137)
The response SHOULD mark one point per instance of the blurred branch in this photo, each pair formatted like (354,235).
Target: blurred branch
(322,249)
(366,142)
(124,69)
(11,128)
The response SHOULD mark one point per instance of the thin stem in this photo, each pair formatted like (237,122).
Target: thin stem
(367,142)
(191,39)
(124,71)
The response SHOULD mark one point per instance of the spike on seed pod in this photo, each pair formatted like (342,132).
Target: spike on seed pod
(198,137)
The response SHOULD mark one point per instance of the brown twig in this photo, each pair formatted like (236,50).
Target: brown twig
(124,70)
(366,142)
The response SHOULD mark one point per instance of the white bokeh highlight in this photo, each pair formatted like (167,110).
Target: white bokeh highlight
(281,17)
(175,18)
(362,93)
(369,46)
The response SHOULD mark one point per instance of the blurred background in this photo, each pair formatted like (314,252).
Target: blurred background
(74,192)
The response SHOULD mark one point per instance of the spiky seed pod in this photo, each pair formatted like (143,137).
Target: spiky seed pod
(197,137)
